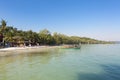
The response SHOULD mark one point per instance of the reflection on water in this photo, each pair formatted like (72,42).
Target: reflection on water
(91,62)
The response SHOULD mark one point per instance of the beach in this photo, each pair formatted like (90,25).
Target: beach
(21,50)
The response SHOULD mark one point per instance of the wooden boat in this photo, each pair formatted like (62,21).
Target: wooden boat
(77,46)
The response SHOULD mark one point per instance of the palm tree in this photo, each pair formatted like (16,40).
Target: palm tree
(3,24)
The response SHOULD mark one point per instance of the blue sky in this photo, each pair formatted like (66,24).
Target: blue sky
(99,19)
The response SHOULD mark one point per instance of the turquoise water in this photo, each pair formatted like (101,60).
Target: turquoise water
(91,62)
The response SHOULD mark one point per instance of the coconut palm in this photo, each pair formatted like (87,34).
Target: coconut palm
(3,24)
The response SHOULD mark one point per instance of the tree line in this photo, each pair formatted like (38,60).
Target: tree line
(44,37)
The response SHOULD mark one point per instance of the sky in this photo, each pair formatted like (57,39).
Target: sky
(98,19)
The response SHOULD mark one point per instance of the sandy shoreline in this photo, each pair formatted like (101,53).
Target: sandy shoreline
(20,50)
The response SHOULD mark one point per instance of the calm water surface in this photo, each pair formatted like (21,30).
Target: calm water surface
(91,62)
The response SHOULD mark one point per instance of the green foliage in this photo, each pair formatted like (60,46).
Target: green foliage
(58,39)
(44,37)
(3,23)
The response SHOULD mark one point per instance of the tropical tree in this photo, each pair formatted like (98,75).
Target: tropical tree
(46,37)
(3,24)
(57,37)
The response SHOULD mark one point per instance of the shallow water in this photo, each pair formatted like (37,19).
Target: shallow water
(91,62)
